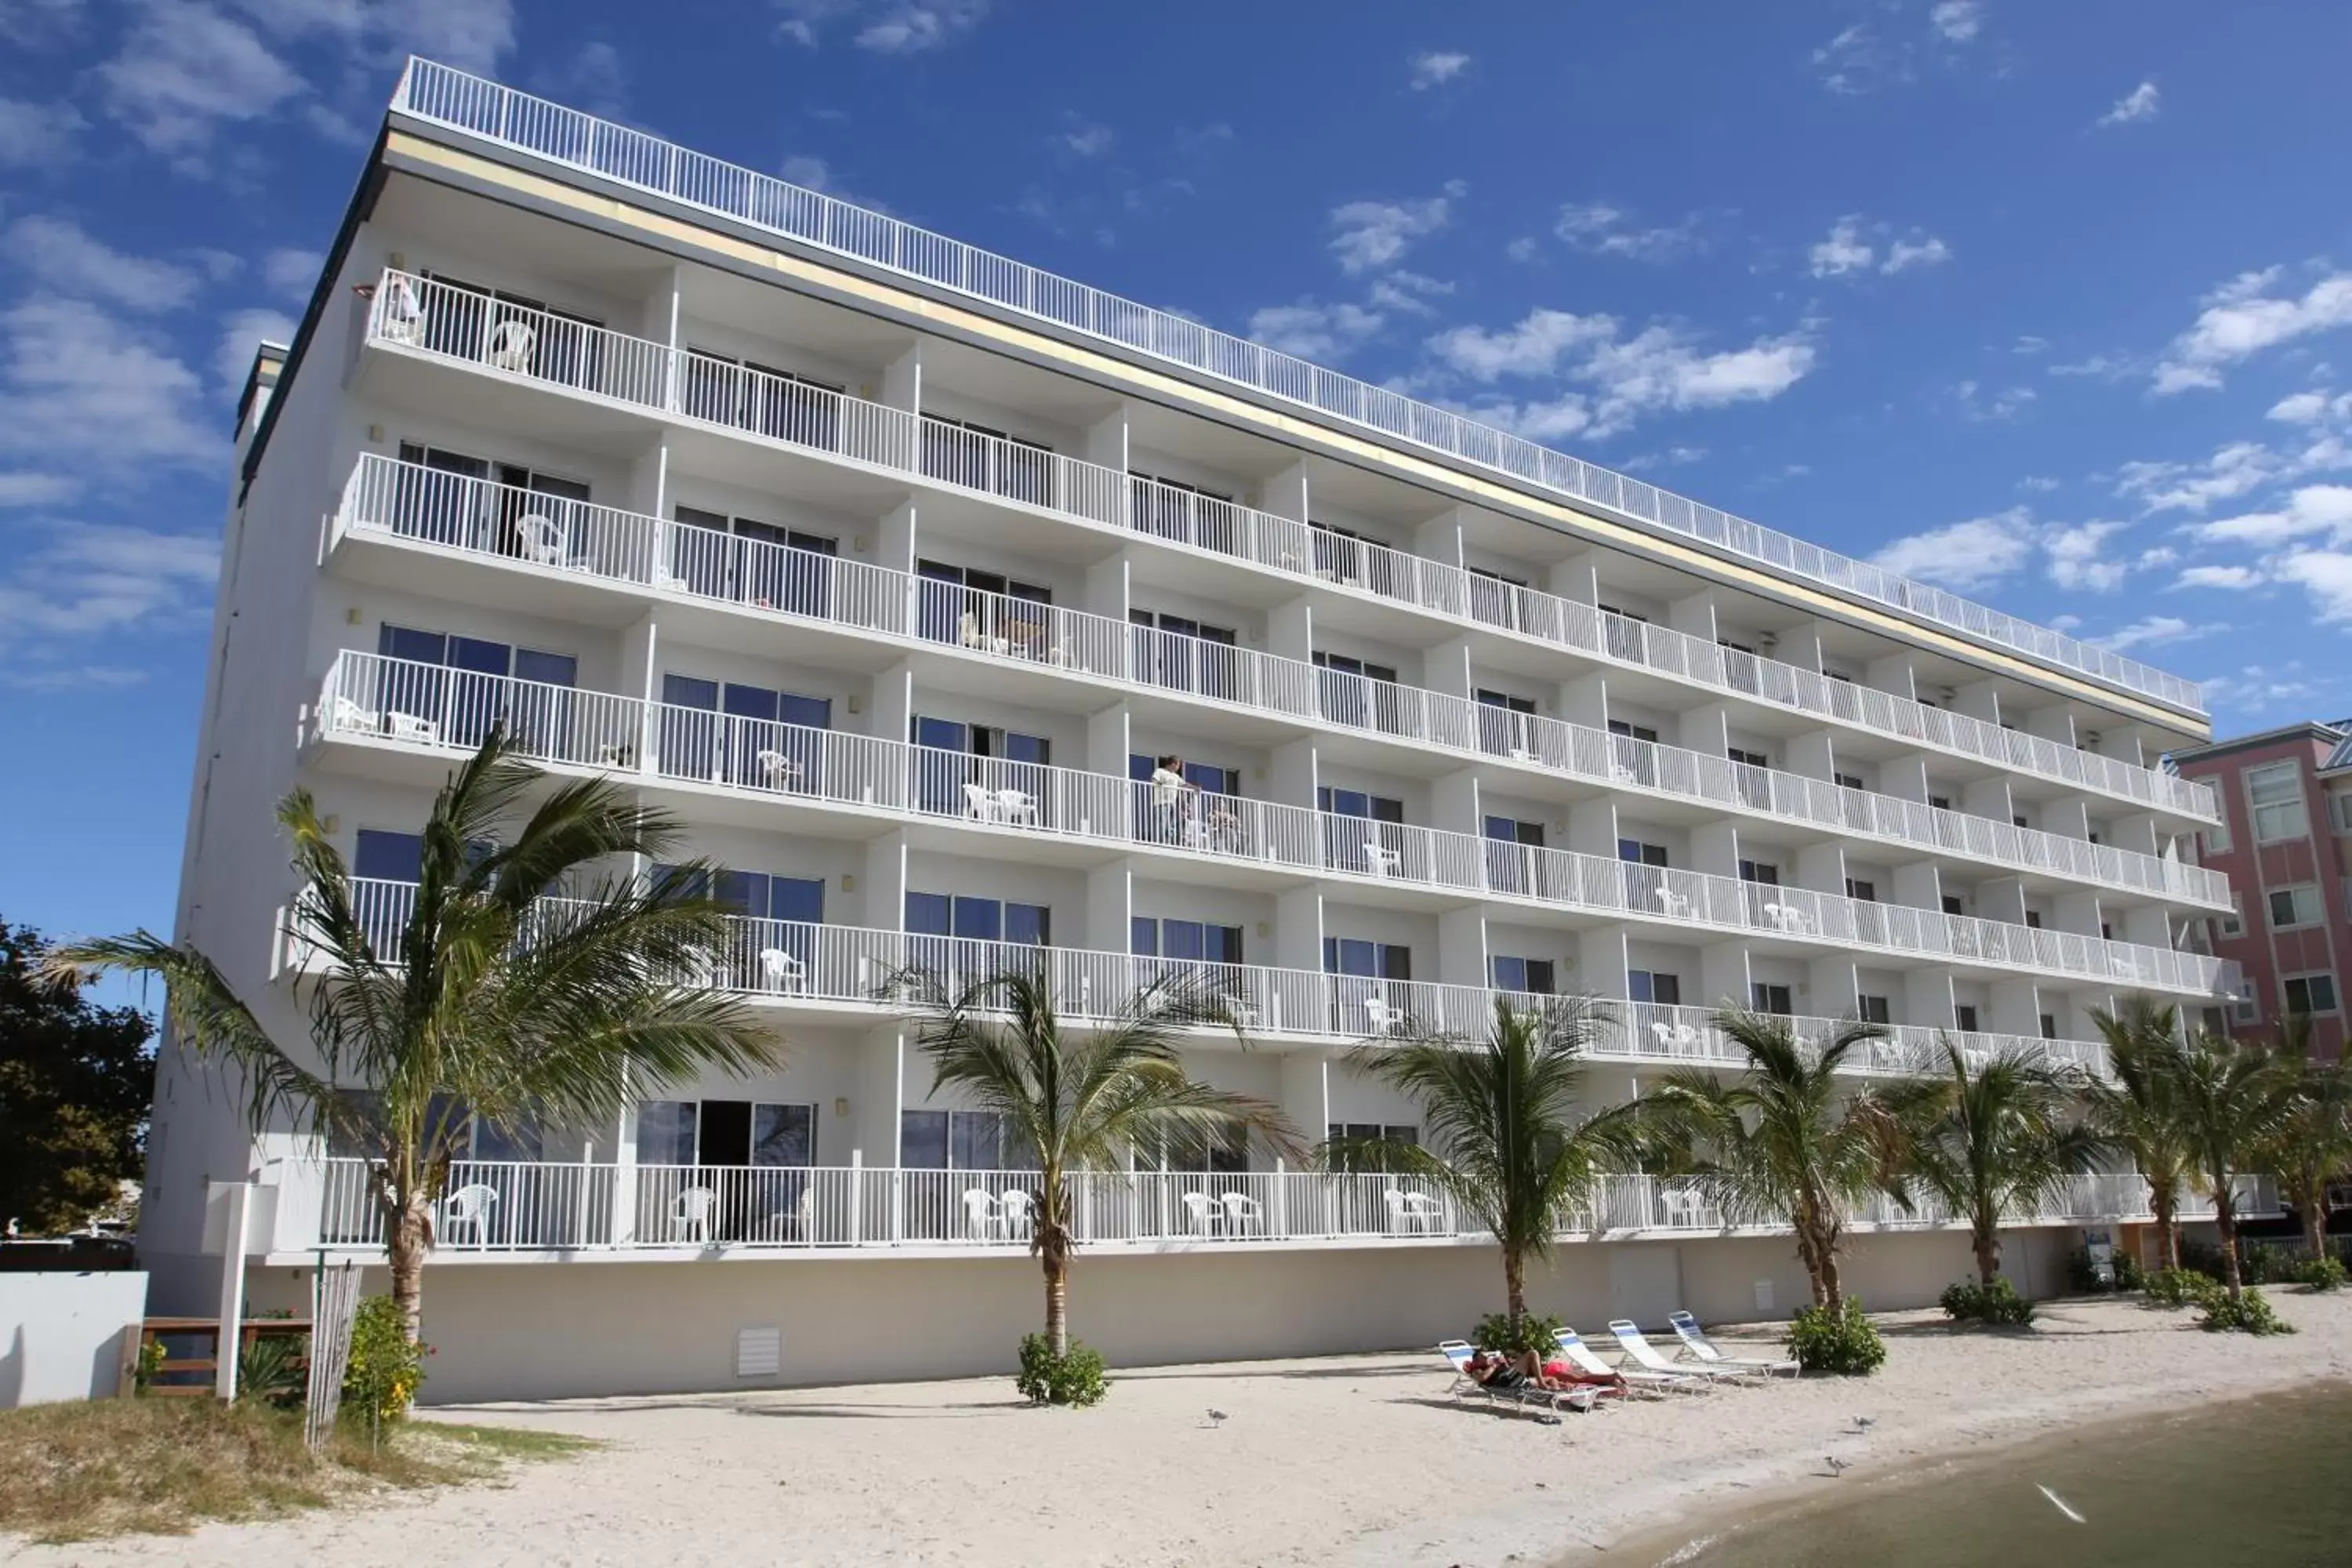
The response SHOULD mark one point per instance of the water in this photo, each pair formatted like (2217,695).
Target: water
(2254,1482)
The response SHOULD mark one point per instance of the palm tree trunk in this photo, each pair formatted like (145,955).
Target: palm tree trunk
(1514,1287)
(2315,1223)
(1988,1245)
(2165,1199)
(1818,1272)
(1831,1289)
(1054,1252)
(408,1236)
(2225,1220)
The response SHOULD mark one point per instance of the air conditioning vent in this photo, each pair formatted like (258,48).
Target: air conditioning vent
(758,1352)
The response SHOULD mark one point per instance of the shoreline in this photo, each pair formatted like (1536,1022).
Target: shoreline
(1338,1462)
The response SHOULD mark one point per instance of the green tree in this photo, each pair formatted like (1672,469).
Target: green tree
(2231,1102)
(1507,1131)
(486,1000)
(1787,1141)
(2134,1111)
(2311,1148)
(75,1082)
(1991,1138)
(1079,1098)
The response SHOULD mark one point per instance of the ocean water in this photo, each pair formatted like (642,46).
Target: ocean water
(2256,1483)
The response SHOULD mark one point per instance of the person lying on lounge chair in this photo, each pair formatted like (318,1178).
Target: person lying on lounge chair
(1491,1368)
(1561,1374)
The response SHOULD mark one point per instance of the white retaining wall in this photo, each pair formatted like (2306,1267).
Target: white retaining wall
(66,1336)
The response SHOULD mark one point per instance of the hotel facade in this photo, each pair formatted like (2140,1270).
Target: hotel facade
(893,568)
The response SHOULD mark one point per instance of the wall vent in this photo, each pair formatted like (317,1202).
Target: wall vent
(758,1352)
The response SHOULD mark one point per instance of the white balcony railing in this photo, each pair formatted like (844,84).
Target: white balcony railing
(458,513)
(621,155)
(510,1207)
(422,315)
(450,711)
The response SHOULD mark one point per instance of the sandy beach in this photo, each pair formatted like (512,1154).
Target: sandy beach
(1340,1461)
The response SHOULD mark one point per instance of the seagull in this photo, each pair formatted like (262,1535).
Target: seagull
(1864,1423)
(1217,1418)
(1835,1464)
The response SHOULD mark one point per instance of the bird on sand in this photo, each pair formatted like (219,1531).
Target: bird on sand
(1217,1418)
(1835,1464)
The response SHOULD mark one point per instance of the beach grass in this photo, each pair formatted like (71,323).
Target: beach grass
(82,1471)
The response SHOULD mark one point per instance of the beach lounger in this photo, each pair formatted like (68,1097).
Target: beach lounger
(1526,1397)
(1697,1347)
(1629,1337)
(1656,1385)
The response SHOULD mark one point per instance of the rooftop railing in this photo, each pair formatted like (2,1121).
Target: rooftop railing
(521,1206)
(367,696)
(439,95)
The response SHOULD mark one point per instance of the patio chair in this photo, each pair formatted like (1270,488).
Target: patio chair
(1014,805)
(1014,1213)
(350,715)
(1379,1017)
(1697,1347)
(401,319)
(1202,1214)
(410,727)
(785,971)
(1658,1385)
(1415,1212)
(777,771)
(1666,1036)
(690,1217)
(542,540)
(979,1212)
(1245,1216)
(1685,1208)
(980,801)
(512,346)
(469,1207)
(1644,1354)
(1526,1396)
(1384,861)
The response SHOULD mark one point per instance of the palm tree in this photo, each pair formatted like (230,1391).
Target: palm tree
(1508,1136)
(1785,1141)
(1079,1102)
(2231,1102)
(2134,1112)
(485,1001)
(2312,1147)
(1993,1137)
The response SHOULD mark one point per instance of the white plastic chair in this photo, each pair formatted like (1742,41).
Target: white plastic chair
(511,345)
(981,801)
(778,770)
(1666,1036)
(1014,1213)
(1412,1212)
(402,319)
(1675,905)
(470,1206)
(690,1217)
(1385,862)
(543,539)
(1202,1212)
(409,727)
(1378,1015)
(1682,1207)
(350,715)
(981,1215)
(1014,805)
(1245,1216)
(785,971)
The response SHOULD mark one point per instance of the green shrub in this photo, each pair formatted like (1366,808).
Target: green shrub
(2083,1277)
(274,1369)
(1075,1379)
(2200,1258)
(2318,1274)
(2130,1274)
(1534,1333)
(1998,1303)
(2268,1265)
(385,1370)
(2249,1313)
(1842,1340)
(2179,1287)
(150,1365)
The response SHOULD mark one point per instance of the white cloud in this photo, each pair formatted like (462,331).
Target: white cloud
(1845,252)
(1998,406)
(1087,138)
(2027,343)
(1435,67)
(1964,555)
(2218,577)
(1957,21)
(185,69)
(1599,230)
(886,27)
(2327,575)
(1855,61)
(2313,508)
(57,254)
(2140,103)
(2235,470)
(1406,292)
(79,386)
(2242,318)
(1523,249)
(241,331)
(89,580)
(34,135)
(26,488)
(1374,235)
(2037,484)
(1616,379)
(291,270)
(2076,562)
(2299,408)
(2155,630)
(1313,331)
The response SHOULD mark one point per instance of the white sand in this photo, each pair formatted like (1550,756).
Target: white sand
(1342,1461)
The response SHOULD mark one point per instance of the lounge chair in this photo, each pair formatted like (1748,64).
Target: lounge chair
(1646,1354)
(1697,1347)
(1526,1397)
(1658,1385)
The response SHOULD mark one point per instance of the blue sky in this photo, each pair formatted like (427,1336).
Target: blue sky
(2045,302)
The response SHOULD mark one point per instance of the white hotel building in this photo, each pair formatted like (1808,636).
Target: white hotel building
(889,565)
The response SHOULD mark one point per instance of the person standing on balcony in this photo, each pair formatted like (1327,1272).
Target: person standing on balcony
(1168,802)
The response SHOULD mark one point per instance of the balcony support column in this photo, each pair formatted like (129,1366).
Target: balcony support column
(1834,983)
(1298,933)
(1979,699)
(1290,630)
(1106,443)
(1440,538)
(1109,905)
(885,889)
(1108,744)
(1294,773)
(2147,924)
(1694,614)
(1893,673)
(2016,1007)
(1706,729)
(1722,976)
(2069,815)
(894,548)
(1445,668)
(1462,948)
(1715,847)
(902,380)
(2137,833)
(1813,753)
(1919,884)
(623,1219)
(1455,803)
(1285,494)
(1989,797)
(1599,962)
(1927,999)
(1584,700)
(1593,825)
(1576,578)
(1905,776)
(1109,592)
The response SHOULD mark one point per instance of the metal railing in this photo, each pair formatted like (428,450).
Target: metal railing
(411,312)
(510,1206)
(440,95)
(450,711)
(475,516)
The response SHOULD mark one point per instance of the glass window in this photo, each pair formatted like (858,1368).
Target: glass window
(2275,791)
(1763,871)
(1532,975)
(2214,839)
(1641,854)
(666,1133)
(1768,998)
(2234,924)
(2297,906)
(388,856)
(1649,986)
(1372,959)
(1873,1010)
(1861,890)
(1964,1018)
(784,1134)
(2311,994)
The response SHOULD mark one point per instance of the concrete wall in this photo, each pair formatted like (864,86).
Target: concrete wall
(66,1336)
(528,1331)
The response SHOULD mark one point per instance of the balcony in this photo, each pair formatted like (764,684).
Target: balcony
(411,316)
(386,499)
(435,708)
(515,1209)
(618,155)
(848,970)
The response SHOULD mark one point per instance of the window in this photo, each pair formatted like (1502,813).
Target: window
(1964,1018)
(1209,778)
(446,497)
(1848,780)
(2297,906)
(1862,890)
(1952,905)
(1763,871)
(1496,599)
(752,562)
(1641,854)
(746,735)
(1940,802)
(983,610)
(2310,994)
(1192,940)
(465,684)
(1633,731)
(2233,924)
(1748,759)
(2275,791)
(1342,555)
(2339,809)
(2017,822)
(2049,1025)
(1872,1010)
(751,397)
(1358,1144)
(950,780)
(1183,654)
(2214,838)
(1359,693)
(1768,998)
(1174,510)
(1510,830)
(982,458)
(1507,723)
(1532,975)
(1356,803)
(1370,960)
(1650,985)
(2033,919)
(2244,1008)
(979,920)
(1623,614)
(959,1140)
(665,1132)
(1727,645)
